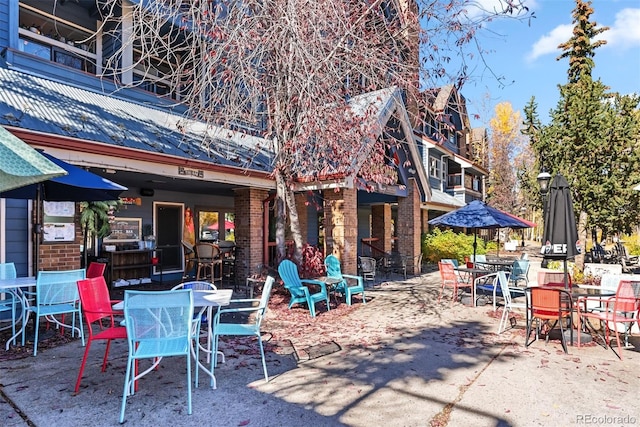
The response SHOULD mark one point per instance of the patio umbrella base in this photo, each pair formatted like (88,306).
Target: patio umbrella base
(585,338)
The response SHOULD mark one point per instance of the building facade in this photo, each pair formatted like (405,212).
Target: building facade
(54,95)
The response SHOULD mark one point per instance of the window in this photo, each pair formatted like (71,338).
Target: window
(215,225)
(476,183)
(434,167)
(56,39)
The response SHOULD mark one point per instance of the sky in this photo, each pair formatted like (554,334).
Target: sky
(525,53)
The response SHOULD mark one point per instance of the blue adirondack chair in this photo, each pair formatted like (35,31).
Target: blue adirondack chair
(300,294)
(332,264)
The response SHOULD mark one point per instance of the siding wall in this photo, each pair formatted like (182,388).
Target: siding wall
(17,235)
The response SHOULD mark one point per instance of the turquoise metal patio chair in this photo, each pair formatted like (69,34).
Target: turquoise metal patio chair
(332,264)
(8,302)
(519,272)
(300,294)
(57,293)
(223,327)
(159,324)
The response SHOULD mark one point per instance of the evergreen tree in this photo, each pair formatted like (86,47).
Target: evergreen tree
(580,48)
(592,138)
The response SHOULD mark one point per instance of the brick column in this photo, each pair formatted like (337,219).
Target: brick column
(303,215)
(341,227)
(409,222)
(61,256)
(381,227)
(249,231)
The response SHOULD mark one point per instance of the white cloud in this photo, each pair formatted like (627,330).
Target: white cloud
(550,41)
(625,31)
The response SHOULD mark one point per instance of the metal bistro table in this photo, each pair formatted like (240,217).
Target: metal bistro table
(15,287)
(331,283)
(497,264)
(474,273)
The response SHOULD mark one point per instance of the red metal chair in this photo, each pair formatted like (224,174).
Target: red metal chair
(548,304)
(99,315)
(622,308)
(95,269)
(450,279)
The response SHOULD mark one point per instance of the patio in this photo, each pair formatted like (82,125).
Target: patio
(401,359)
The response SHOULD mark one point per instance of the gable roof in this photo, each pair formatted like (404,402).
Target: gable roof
(377,108)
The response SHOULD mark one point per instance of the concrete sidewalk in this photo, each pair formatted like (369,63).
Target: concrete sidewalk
(401,359)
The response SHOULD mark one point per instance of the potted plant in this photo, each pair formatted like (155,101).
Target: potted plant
(95,222)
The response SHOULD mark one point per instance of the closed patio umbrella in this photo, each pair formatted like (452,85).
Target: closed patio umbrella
(560,232)
(22,165)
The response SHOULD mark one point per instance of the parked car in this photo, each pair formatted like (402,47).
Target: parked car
(209,235)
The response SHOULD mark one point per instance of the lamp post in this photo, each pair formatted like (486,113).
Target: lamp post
(543,179)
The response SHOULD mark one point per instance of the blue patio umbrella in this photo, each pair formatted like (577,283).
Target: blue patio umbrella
(478,214)
(78,185)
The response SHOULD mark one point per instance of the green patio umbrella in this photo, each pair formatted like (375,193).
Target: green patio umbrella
(21,165)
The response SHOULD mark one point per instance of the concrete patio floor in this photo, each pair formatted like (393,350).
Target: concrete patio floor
(401,359)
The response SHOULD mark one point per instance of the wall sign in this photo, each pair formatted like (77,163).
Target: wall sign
(125,230)
(58,222)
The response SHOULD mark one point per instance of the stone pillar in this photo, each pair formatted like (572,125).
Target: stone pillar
(61,256)
(341,227)
(381,227)
(303,215)
(409,223)
(249,232)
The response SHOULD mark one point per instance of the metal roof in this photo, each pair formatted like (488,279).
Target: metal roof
(42,105)
(443,198)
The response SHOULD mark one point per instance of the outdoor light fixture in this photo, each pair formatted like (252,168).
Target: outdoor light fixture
(543,179)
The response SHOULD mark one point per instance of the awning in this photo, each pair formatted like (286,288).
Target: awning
(21,165)
(78,185)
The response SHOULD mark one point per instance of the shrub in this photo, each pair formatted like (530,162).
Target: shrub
(312,261)
(633,244)
(439,244)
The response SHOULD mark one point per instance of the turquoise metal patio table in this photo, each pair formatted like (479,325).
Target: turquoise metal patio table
(14,287)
